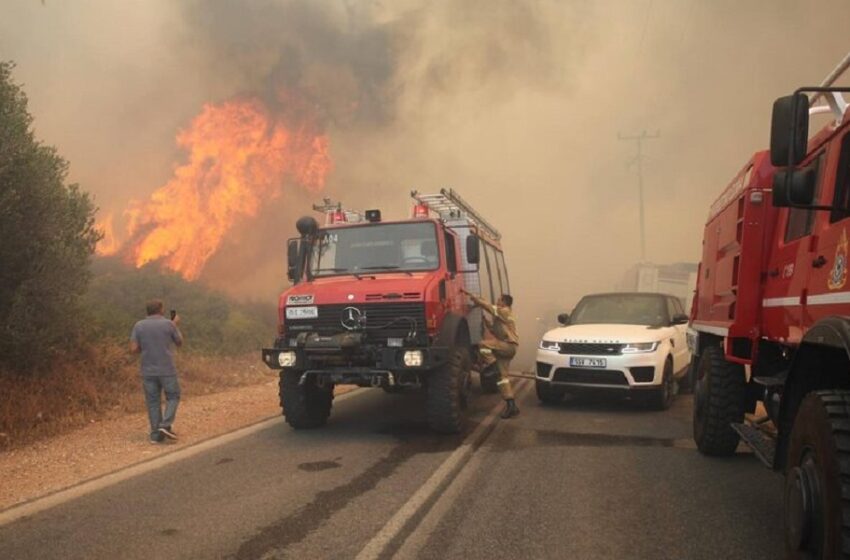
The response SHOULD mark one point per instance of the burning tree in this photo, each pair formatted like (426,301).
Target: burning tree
(241,154)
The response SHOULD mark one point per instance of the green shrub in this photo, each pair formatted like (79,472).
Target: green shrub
(210,321)
(47,236)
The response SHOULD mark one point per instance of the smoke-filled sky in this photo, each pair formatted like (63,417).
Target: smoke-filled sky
(517,105)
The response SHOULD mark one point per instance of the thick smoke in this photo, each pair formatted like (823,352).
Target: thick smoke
(516,104)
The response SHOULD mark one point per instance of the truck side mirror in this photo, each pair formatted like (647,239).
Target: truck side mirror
(794,187)
(473,254)
(292,253)
(564,319)
(679,319)
(789,130)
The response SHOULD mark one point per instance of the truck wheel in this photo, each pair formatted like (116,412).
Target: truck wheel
(490,379)
(817,479)
(718,402)
(304,406)
(448,388)
(662,397)
(547,394)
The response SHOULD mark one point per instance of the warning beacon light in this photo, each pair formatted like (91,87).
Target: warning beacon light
(373,215)
(420,211)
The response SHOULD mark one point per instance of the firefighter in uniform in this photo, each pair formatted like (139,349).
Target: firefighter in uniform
(502,343)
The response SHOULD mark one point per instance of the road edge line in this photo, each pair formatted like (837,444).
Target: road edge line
(424,498)
(80,489)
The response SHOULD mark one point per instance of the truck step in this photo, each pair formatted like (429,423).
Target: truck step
(762,444)
(772,381)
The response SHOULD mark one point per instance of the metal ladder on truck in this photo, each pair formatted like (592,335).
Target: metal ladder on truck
(452,208)
(460,217)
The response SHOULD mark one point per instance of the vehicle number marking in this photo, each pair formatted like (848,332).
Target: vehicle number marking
(310,312)
(589,362)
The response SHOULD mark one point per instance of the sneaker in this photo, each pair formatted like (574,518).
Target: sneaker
(168,432)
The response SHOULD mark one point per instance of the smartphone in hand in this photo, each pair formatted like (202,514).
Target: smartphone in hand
(173,314)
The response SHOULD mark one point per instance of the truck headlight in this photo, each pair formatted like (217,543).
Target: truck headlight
(639,347)
(286,359)
(413,358)
(550,345)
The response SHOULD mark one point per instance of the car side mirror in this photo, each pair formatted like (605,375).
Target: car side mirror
(473,254)
(794,187)
(789,130)
(680,319)
(564,319)
(292,252)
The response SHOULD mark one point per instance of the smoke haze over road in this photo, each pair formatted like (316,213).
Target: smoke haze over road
(515,105)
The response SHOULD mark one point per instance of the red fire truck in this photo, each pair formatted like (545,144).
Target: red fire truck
(771,318)
(378,303)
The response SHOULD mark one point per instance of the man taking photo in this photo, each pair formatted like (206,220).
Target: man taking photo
(155,337)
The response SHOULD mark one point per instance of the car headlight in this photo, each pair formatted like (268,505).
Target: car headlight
(413,358)
(550,345)
(286,359)
(639,347)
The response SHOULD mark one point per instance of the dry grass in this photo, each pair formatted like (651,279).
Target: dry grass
(104,383)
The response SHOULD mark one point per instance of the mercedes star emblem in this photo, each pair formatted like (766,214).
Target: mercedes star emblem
(352,318)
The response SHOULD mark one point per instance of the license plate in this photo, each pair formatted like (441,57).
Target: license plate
(589,362)
(310,312)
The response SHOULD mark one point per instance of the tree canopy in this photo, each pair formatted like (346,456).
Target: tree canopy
(47,237)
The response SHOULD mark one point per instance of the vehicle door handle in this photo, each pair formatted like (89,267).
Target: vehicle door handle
(819,262)
(773,273)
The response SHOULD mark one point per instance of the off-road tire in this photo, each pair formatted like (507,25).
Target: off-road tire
(489,379)
(547,394)
(304,406)
(819,450)
(662,397)
(447,396)
(719,397)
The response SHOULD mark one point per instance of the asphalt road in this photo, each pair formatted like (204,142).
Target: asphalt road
(581,480)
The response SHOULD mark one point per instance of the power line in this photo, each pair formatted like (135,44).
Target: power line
(638,139)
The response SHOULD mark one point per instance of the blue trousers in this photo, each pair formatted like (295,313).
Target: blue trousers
(154,387)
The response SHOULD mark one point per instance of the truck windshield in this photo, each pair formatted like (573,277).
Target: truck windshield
(625,309)
(375,248)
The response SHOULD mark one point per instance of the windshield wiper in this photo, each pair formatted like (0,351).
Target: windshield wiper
(386,267)
(338,269)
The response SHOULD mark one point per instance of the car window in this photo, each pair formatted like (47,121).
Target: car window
(506,285)
(484,270)
(625,309)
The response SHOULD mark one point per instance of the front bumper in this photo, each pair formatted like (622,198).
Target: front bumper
(623,372)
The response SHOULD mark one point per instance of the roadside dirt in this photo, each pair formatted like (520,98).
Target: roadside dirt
(112,444)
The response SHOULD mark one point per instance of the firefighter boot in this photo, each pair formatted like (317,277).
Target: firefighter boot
(511,409)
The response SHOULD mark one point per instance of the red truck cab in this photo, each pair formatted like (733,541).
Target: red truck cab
(378,303)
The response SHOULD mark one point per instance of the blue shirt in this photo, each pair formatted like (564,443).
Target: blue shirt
(156,337)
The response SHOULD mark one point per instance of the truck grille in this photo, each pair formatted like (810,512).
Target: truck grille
(383,320)
(591,348)
(590,376)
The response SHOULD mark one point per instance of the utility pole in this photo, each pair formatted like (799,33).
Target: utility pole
(638,139)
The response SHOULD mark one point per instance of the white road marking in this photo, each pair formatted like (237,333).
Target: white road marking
(425,497)
(78,490)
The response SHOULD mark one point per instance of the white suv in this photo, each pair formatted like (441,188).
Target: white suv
(624,342)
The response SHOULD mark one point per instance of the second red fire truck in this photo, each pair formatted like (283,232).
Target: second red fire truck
(771,318)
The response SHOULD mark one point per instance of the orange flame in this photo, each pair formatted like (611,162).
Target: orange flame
(108,244)
(239,156)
